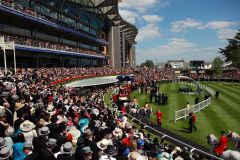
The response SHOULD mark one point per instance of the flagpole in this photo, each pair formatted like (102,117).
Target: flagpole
(5,59)
(14,57)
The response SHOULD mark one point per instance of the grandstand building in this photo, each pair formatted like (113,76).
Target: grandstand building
(67,33)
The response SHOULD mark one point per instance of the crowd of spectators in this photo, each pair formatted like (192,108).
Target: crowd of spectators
(46,44)
(38,121)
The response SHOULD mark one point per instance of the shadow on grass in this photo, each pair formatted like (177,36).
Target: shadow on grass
(184,130)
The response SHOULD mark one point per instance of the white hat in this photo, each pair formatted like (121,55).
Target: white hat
(27,126)
(75,134)
(118,132)
(102,145)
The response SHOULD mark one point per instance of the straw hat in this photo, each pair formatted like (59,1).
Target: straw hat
(5,153)
(2,143)
(102,145)
(44,131)
(27,126)
(67,148)
(117,132)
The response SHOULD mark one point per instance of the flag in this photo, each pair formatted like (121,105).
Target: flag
(2,42)
(9,45)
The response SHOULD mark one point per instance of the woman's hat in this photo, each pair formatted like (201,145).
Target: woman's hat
(2,143)
(67,148)
(75,134)
(27,126)
(111,150)
(5,153)
(102,145)
(117,132)
(9,132)
(44,131)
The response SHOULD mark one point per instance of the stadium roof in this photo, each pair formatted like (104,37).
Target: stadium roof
(109,8)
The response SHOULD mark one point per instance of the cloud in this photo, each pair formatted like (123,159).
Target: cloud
(152,18)
(224,34)
(177,48)
(148,32)
(128,15)
(142,5)
(220,24)
(181,25)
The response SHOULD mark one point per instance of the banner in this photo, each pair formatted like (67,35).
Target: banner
(9,45)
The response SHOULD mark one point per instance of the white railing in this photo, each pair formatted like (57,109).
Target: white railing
(184,113)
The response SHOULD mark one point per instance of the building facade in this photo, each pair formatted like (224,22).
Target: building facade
(66,33)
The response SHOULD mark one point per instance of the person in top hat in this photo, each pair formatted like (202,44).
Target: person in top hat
(66,152)
(109,153)
(40,141)
(80,144)
(53,127)
(3,124)
(87,153)
(5,153)
(89,142)
(60,135)
(47,153)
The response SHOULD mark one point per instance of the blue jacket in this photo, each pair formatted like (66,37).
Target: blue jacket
(18,153)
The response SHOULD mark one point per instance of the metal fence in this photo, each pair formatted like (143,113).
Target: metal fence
(183,113)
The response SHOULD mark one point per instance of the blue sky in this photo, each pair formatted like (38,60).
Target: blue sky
(181,29)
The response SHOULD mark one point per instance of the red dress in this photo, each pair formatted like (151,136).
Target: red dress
(222,145)
(159,116)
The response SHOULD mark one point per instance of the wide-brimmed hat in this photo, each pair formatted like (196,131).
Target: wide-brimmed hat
(75,134)
(66,148)
(27,126)
(51,142)
(87,150)
(44,131)
(5,153)
(2,143)
(9,131)
(18,106)
(111,150)
(118,132)
(102,145)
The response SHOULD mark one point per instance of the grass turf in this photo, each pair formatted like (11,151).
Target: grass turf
(222,114)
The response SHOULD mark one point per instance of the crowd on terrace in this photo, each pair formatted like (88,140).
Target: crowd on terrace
(46,44)
(39,121)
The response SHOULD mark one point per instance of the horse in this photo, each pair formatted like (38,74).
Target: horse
(235,138)
(231,155)
(212,140)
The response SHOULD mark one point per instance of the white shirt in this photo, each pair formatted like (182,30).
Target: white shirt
(106,157)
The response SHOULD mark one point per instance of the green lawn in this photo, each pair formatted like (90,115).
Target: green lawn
(222,114)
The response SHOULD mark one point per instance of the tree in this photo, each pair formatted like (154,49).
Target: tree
(232,51)
(217,66)
(148,63)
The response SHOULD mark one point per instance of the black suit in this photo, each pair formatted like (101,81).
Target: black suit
(39,143)
(33,156)
(53,128)
(66,157)
(60,140)
(47,154)
(94,148)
